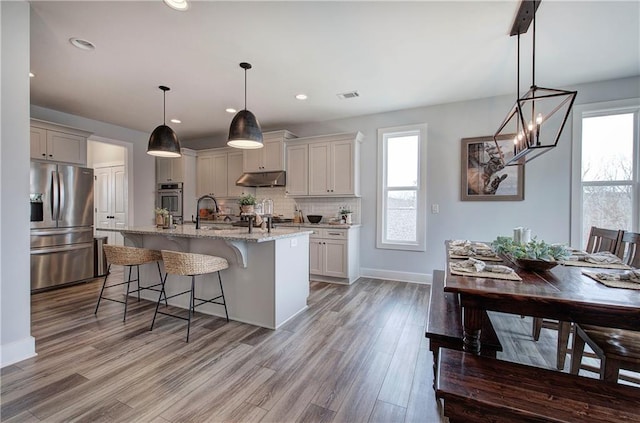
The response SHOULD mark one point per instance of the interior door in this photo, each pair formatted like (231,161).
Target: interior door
(110,201)
(102,197)
(119,200)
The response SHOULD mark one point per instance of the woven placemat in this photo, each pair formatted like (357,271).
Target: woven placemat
(596,265)
(490,275)
(613,284)
(483,258)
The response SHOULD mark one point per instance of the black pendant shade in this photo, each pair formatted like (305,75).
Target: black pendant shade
(163,141)
(245,131)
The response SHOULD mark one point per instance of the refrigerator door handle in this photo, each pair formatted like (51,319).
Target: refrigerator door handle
(60,249)
(62,196)
(54,195)
(51,232)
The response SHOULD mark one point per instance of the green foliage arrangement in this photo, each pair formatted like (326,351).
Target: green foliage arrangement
(247,200)
(162,212)
(534,250)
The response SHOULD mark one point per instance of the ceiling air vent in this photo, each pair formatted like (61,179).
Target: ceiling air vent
(350,94)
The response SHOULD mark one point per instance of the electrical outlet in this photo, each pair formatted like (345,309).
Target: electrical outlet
(435,208)
(294,242)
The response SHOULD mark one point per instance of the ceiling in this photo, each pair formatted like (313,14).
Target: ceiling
(397,55)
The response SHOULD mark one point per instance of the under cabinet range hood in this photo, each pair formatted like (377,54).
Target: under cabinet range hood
(263,179)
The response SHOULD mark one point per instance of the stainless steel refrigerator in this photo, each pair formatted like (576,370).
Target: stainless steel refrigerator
(61,199)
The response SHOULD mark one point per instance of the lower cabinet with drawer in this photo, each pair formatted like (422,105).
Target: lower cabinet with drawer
(333,254)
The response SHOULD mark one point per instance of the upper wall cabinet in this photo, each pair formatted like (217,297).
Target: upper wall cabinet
(218,170)
(332,165)
(297,170)
(58,143)
(211,170)
(270,157)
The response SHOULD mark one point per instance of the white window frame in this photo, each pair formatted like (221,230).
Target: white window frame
(421,219)
(594,110)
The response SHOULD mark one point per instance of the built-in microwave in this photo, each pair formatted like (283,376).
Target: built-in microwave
(170,198)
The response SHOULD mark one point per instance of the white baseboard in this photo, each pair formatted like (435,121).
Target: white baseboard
(421,278)
(17,351)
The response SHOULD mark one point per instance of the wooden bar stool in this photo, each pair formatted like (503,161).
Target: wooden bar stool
(190,264)
(129,257)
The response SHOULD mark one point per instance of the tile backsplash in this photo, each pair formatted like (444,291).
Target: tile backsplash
(327,207)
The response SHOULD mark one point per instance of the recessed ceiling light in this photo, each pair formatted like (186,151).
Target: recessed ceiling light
(32,75)
(82,44)
(176,121)
(180,5)
(230,110)
(302,97)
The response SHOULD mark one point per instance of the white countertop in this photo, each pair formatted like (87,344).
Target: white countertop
(214,231)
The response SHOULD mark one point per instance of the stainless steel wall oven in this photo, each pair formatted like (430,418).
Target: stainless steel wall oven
(170,198)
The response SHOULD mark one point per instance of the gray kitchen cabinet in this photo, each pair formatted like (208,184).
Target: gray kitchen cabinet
(333,254)
(217,171)
(169,169)
(297,170)
(212,175)
(58,143)
(332,166)
(270,157)
(234,171)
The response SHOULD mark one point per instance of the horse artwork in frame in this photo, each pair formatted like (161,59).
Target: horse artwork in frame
(483,175)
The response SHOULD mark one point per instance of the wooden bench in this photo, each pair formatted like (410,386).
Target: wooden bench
(444,325)
(482,389)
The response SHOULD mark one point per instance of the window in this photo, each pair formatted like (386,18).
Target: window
(402,181)
(605,176)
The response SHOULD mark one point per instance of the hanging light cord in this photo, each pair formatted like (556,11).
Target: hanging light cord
(533,70)
(245,89)
(518,70)
(164,107)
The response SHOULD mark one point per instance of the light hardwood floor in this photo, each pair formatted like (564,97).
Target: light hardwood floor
(357,354)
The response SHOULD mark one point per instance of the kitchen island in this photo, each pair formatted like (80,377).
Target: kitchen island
(266,284)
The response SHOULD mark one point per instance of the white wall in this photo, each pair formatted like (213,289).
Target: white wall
(546,208)
(16,342)
(100,153)
(142,171)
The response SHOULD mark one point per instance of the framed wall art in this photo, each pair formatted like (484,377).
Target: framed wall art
(483,177)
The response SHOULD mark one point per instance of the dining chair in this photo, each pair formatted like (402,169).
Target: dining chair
(616,348)
(628,249)
(600,239)
(603,240)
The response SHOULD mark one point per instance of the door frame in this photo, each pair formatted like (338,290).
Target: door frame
(128,168)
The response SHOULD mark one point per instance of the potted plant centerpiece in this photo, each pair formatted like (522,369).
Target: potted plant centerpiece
(247,203)
(345,214)
(534,255)
(161,216)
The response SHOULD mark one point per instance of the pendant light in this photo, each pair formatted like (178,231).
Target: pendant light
(536,121)
(163,142)
(245,131)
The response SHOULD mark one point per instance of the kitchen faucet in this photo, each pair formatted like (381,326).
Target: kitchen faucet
(198,208)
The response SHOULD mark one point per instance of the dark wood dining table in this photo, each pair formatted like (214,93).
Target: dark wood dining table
(562,293)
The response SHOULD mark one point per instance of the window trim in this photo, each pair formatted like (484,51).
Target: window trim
(381,189)
(631,105)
